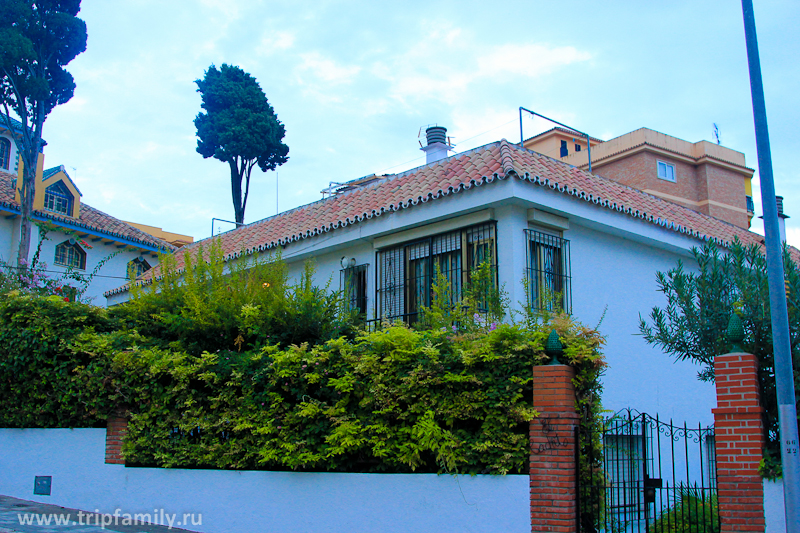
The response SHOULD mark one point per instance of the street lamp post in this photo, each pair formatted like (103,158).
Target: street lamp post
(784,375)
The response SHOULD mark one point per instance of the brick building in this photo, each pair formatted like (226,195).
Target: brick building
(703,176)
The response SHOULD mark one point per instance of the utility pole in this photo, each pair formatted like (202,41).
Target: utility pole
(784,375)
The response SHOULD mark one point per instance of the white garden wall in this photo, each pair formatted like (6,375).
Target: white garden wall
(246,501)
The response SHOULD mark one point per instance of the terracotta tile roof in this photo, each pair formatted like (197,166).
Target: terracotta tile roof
(460,174)
(90,218)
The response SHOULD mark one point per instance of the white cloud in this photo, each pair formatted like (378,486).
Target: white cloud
(527,60)
(447,62)
(326,69)
(275,41)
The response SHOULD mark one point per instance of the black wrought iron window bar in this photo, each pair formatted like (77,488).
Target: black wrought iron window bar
(405,273)
(549,274)
(354,288)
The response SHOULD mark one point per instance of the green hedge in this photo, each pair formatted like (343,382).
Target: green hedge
(395,400)
(234,368)
(45,380)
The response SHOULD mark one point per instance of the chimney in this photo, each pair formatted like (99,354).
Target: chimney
(437,147)
(781,218)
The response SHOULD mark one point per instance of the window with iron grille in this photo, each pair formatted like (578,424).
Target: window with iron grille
(5,154)
(711,461)
(58,199)
(70,255)
(406,272)
(624,458)
(137,267)
(354,288)
(549,273)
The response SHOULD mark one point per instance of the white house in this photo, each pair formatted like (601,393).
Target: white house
(594,240)
(81,237)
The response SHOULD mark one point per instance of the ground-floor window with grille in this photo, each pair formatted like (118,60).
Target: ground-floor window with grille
(549,274)
(354,288)
(624,457)
(406,273)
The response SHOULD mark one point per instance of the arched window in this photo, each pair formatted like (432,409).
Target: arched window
(5,154)
(137,267)
(58,199)
(70,255)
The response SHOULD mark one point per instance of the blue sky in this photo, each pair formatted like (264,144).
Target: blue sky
(354,82)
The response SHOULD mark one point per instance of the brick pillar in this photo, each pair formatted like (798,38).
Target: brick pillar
(552,437)
(116,430)
(739,434)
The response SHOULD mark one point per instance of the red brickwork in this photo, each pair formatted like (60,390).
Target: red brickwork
(699,184)
(739,434)
(552,437)
(116,430)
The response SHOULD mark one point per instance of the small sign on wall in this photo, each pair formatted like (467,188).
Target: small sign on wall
(41,485)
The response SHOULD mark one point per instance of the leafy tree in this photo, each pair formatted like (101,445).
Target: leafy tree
(239,127)
(694,322)
(37,39)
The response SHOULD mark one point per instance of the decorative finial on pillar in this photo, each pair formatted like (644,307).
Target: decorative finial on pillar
(735,333)
(553,348)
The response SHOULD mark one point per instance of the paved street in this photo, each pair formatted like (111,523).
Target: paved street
(21,516)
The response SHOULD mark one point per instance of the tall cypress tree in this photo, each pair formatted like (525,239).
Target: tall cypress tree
(37,39)
(239,127)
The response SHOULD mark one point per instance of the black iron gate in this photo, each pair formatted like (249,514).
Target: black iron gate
(642,474)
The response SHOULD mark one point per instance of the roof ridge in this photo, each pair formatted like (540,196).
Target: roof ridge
(100,226)
(458,173)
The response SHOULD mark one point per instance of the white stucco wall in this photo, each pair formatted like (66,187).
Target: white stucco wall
(614,259)
(8,249)
(246,501)
(615,275)
(110,276)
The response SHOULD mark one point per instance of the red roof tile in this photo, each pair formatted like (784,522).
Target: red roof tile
(90,218)
(456,174)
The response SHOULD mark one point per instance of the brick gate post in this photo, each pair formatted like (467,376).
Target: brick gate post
(116,431)
(553,450)
(739,435)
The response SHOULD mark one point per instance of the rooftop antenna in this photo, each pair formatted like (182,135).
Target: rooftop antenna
(716,133)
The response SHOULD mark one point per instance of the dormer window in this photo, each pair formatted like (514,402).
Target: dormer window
(137,267)
(69,254)
(58,199)
(5,154)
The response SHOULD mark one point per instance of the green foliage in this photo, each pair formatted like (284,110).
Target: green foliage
(239,127)
(37,39)
(237,305)
(699,305)
(228,367)
(71,284)
(393,400)
(482,304)
(694,512)
(50,378)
